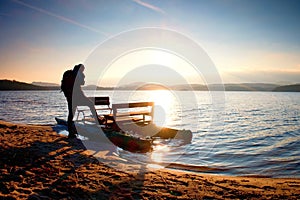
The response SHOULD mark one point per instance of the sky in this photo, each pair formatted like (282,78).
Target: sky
(246,40)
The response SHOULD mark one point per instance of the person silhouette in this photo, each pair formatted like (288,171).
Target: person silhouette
(75,97)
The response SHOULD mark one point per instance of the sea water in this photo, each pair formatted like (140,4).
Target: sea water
(235,133)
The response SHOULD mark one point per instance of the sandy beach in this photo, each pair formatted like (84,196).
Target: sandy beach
(38,163)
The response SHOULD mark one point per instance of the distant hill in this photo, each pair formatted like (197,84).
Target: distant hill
(185,87)
(132,86)
(16,85)
(45,84)
(153,86)
(94,87)
(200,87)
(244,87)
(288,88)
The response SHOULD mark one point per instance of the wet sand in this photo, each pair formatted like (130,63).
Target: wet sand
(37,163)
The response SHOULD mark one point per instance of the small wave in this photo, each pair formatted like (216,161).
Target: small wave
(194,168)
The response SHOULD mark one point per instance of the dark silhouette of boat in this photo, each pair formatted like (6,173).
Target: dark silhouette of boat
(133,130)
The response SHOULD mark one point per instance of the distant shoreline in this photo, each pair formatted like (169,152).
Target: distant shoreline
(9,85)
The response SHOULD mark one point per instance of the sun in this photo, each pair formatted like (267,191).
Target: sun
(132,60)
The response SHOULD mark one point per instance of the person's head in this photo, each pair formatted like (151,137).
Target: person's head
(79,67)
(79,76)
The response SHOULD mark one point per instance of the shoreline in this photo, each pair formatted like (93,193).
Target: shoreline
(38,163)
(186,168)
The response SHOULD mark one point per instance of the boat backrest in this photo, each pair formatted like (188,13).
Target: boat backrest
(134,110)
(100,100)
(101,103)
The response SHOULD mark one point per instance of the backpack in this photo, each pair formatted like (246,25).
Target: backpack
(67,81)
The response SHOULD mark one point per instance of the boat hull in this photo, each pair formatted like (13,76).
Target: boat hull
(140,141)
(119,139)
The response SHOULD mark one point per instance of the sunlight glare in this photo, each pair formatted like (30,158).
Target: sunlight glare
(154,166)
(164,102)
(122,65)
(158,154)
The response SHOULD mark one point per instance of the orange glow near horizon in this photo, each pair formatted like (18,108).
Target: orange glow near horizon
(128,63)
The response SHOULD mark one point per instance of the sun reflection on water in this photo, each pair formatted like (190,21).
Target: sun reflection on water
(159,152)
(167,107)
(166,104)
(165,101)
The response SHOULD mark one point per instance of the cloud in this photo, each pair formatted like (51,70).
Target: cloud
(150,6)
(60,17)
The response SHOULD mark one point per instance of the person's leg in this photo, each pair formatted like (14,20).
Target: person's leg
(71,126)
(82,100)
(91,105)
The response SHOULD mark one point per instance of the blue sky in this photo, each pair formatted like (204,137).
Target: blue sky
(248,41)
